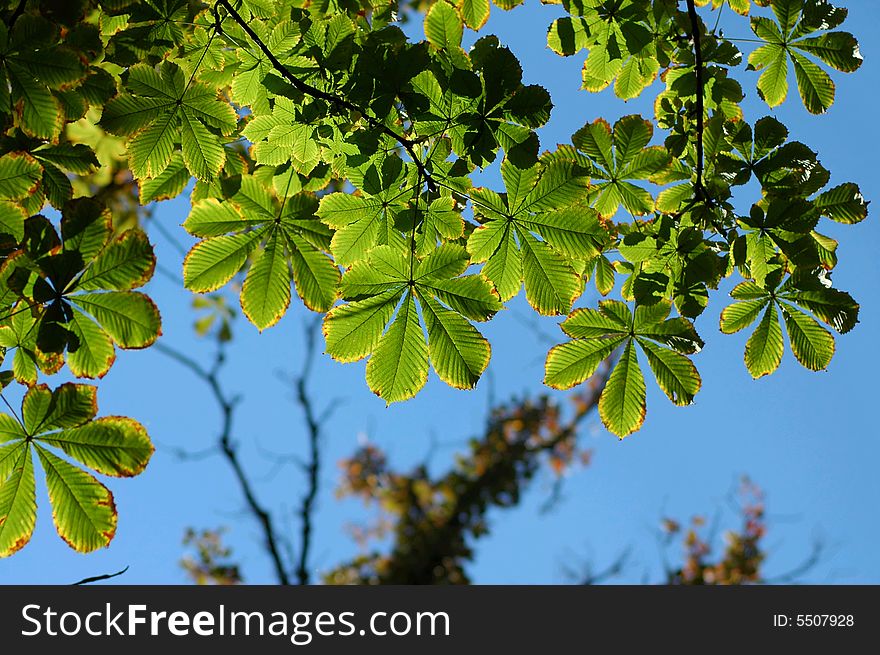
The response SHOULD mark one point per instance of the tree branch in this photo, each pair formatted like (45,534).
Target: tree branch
(15,15)
(794,575)
(313,467)
(698,57)
(98,578)
(229,449)
(304,87)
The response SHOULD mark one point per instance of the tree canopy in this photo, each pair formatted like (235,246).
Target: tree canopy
(333,155)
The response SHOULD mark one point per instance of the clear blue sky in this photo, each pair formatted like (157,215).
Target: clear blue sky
(809,439)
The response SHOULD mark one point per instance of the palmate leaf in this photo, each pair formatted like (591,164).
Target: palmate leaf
(779,230)
(619,38)
(427,306)
(670,261)
(368,219)
(533,234)
(36,68)
(82,508)
(282,136)
(615,158)
(598,333)
(163,112)
(283,236)
(480,110)
(800,29)
(79,287)
(801,299)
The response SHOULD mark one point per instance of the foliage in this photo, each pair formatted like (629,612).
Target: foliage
(211,561)
(335,156)
(432,520)
(743,556)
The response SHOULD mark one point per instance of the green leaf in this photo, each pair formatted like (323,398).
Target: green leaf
(812,345)
(794,37)
(569,364)
(170,183)
(398,368)
(151,149)
(504,267)
(608,320)
(622,403)
(72,157)
(19,175)
(764,347)
(844,204)
(126,262)
(36,111)
(67,406)
(443,26)
(475,13)
(315,275)
(568,35)
(833,307)
(212,218)
(773,83)
(130,318)
(814,84)
(112,445)
(202,152)
(12,218)
(458,352)
(18,504)
(56,186)
(82,508)
(213,262)
(551,284)
(740,315)
(265,294)
(353,330)
(675,373)
(94,354)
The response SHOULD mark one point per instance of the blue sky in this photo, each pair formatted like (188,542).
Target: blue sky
(809,439)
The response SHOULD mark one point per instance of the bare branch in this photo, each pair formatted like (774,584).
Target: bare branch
(794,575)
(313,466)
(227,405)
(611,571)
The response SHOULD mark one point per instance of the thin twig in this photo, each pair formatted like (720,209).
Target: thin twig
(98,578)
(794,575)
(613,570)
(313,466)
(229,449)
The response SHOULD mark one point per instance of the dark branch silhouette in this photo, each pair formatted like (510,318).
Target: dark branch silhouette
(229,449)
(312,466)
(98,578)
(698,69)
